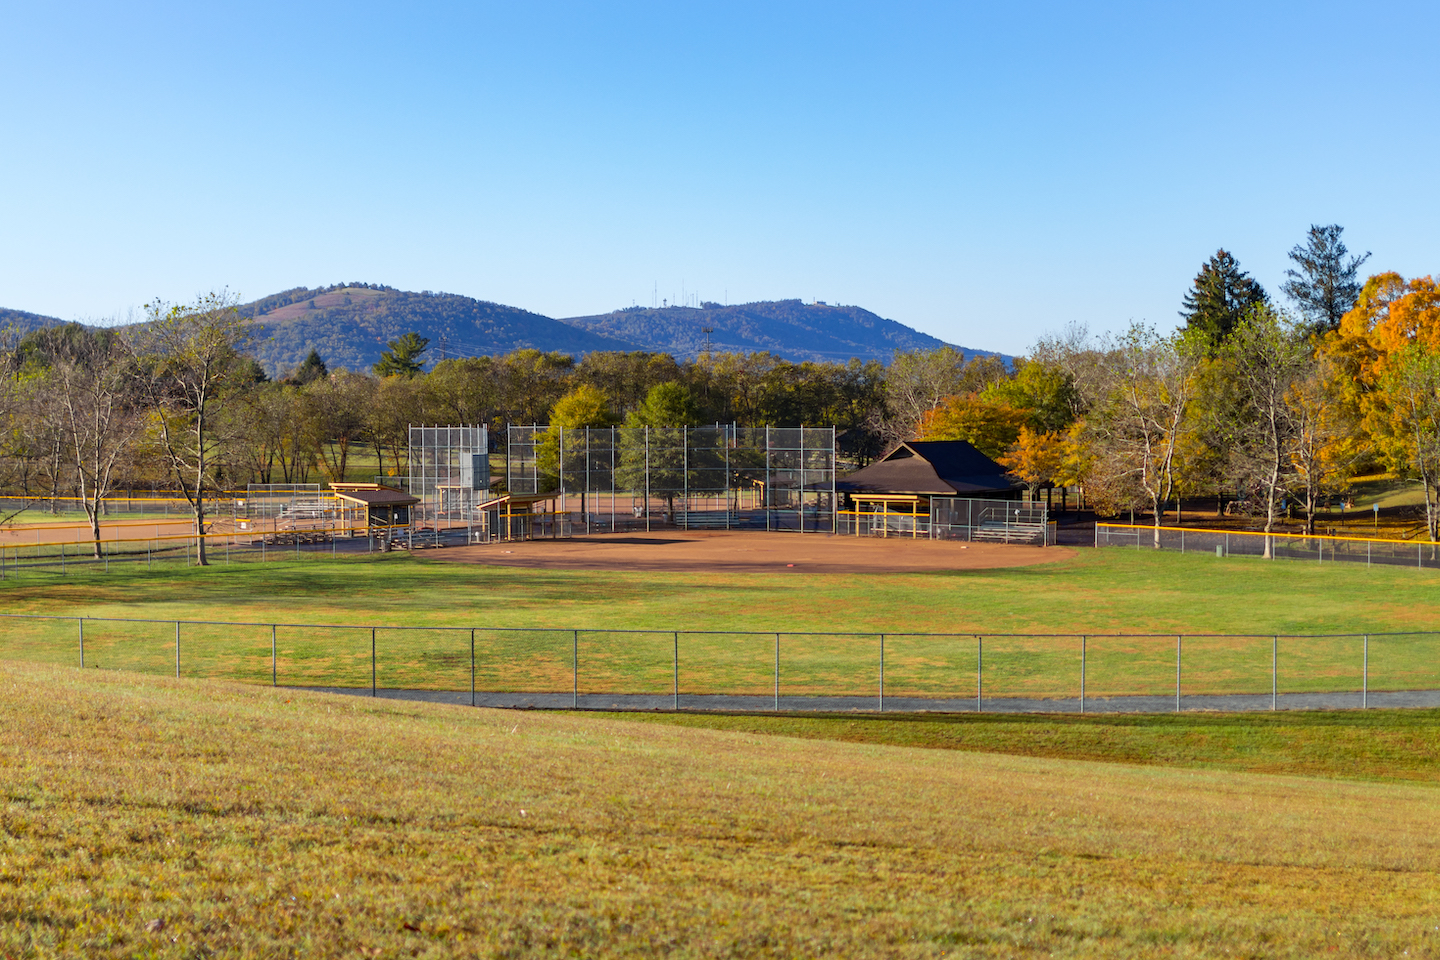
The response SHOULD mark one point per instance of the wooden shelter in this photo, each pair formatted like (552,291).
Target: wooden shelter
(381,506)
(904,480)
(512,516)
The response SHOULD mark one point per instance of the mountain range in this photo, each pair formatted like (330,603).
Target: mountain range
(350,324)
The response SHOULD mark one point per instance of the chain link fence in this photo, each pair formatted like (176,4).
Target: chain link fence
(21,557)
(759,671)
(1271,546)
(718,478)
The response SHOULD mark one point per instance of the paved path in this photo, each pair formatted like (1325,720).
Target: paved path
(1227,703)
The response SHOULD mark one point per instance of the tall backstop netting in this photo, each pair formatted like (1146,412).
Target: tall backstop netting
(450,473)
(720,477)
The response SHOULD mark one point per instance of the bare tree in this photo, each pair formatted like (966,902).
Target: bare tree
(1140,394)
(14,464)
(89,390)
(920,381)
(1265,358)
(187,356)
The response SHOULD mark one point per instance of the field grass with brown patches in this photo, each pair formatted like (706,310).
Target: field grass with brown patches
(151,817)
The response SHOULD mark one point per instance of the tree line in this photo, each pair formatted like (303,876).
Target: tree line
(1248,398)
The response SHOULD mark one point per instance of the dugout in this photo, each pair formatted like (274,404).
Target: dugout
(524,516)
(382,507)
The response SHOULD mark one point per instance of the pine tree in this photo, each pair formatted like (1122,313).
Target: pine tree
(1222,295)
(403,357)
(312,368)
(1326,286)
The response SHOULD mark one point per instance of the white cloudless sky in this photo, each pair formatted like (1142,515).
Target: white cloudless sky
(984,173)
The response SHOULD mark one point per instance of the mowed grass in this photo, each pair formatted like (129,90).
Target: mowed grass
(1092,592)
(151,817)
(1378,745)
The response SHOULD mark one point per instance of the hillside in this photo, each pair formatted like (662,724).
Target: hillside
(789,328)
(350,324)
(153,817)
(25,322)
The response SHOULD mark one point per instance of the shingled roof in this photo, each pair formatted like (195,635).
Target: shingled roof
(933,468)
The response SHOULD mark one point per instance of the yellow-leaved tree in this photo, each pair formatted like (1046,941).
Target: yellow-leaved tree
(1036,458)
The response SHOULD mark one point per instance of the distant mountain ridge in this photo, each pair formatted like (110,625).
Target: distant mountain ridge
(350,324)
(791,329)
(25,322)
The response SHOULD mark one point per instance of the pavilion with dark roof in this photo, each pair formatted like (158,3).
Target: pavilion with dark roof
(895,491)
(920,469)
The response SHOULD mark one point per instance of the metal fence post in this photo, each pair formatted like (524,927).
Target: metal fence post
(979,673)
(373,689)
(575,667)
(676,703)
(1177,674)
(882,673)
(1365,674)
(777,673)
(274,660)
(1083,640)
(1274,672)
(177,649)
(80,622)
(472,666)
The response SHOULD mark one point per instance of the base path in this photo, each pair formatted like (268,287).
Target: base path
(1220,703)
(718,551)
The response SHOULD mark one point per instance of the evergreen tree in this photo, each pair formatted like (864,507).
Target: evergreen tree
(312,368)
(403,357)
(1221,297)
(1326,285)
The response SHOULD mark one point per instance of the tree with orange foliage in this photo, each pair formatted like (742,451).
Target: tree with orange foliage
(1390,315)
(1035,458)
(991,426)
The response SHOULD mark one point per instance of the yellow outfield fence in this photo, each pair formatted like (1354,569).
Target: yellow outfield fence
(1271,546)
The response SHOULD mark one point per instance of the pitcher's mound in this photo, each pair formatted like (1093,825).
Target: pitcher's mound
(746,552)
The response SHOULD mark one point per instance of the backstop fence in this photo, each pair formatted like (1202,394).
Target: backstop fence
(758,671)
(1271,546)
(720,477)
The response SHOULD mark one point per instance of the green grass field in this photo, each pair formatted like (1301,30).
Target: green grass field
(1105,591)
(149,817)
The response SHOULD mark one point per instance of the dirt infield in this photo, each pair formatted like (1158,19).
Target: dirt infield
(743,552)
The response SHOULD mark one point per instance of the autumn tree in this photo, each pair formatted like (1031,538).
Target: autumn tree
(1406,422)
(991,426)
(1036,459)
(1391,318)
(920,381)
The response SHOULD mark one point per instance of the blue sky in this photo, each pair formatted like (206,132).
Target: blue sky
(983,173)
